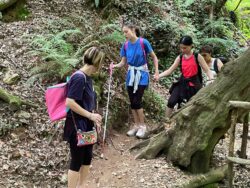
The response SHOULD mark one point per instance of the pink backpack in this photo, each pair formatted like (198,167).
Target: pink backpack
(55,97)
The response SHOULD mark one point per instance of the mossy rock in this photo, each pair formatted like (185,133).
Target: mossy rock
(16,12)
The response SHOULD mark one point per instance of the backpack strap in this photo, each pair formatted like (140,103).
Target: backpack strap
(181,62)
(199,67)
(216,66)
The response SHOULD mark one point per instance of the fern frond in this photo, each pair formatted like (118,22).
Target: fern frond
(72,61)
(188,3)
(116,36)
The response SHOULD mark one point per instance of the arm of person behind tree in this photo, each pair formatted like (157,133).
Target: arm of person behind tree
(205,67)
(121,64)
(155,60)
(219,64)
(171,69)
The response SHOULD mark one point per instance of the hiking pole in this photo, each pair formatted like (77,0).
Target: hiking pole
(107,107)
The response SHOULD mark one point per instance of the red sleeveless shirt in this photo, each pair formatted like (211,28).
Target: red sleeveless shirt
(189,67)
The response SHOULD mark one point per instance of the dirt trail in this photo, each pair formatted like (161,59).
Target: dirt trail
(120,169)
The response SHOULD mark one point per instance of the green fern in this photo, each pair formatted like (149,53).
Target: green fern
(220,27)
(115,36)
(58,54)
(188,3)
(112,33)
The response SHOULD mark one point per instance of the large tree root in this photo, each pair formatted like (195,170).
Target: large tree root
(140,145)
(14,101)
(211,177)
(146,142)
(156,144)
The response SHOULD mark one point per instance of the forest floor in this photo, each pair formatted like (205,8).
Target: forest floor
(32,153)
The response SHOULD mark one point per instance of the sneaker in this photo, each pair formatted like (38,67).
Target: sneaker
(132,132)
(141,132)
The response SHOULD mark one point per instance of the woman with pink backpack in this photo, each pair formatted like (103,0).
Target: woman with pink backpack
(81,102)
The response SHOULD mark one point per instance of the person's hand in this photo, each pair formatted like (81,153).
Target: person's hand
(156,76)
(96,118)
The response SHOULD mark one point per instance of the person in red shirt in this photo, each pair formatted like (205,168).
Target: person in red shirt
(190,81)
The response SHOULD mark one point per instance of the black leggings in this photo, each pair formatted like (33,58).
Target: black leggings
(79,155)
(176,97)
(136,98)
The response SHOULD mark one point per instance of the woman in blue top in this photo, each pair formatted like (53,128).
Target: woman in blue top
(134,52)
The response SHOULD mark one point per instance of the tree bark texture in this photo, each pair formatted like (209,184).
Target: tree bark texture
(219,5)
(201,123)
(243,150)
(6,3)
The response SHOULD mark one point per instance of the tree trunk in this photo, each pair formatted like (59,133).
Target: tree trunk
(6,3)
(201,123)
(219,5)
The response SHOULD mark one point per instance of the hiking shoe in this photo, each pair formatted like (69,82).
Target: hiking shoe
(141,132)
(132,132)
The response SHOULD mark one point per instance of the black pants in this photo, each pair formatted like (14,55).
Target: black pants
(79,155)
(178,97)
(136,98)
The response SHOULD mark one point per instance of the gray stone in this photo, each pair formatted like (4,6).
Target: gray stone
(23,115)
(11,78)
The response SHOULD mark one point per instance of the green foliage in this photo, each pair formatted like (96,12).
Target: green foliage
(219,27)
(187,3)
(154,104)
(222,47)
(57,54)
(242,13)
(113,33)
(165,64)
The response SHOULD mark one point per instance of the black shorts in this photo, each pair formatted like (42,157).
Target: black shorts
(79,155)
(136,98)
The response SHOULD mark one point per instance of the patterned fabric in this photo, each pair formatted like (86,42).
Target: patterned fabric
(86,138)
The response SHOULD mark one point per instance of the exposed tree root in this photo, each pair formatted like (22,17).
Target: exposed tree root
(211,177)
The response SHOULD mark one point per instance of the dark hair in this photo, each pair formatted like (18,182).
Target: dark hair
(186,40)
(206,49)
(136,28)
